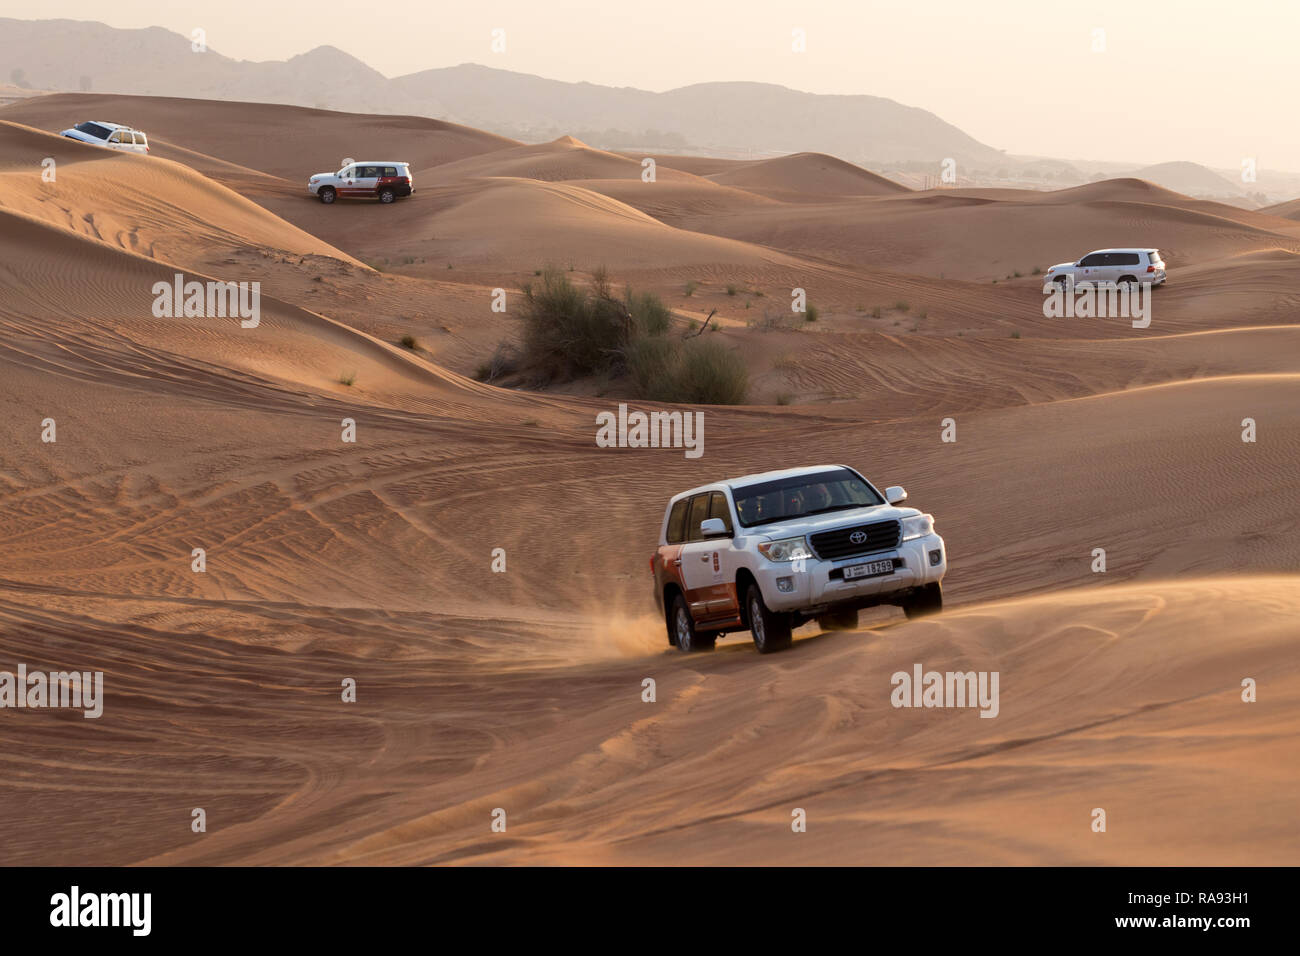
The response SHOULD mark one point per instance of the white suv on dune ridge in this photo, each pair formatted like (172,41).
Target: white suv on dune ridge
(110,135)
(769,552)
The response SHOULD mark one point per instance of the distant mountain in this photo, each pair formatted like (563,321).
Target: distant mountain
(70,55)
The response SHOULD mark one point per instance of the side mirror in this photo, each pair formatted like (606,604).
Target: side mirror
(712,527)
(894,494)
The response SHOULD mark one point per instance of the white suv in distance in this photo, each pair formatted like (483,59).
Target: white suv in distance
(110,135)
(1112,266)
(769,552)
(385,181)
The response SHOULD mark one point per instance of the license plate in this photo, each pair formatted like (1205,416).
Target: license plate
(868,570)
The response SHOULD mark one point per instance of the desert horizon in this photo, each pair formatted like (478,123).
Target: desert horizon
(363,579)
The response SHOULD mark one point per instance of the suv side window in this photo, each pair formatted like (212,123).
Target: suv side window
(390,171)
(1095,259)
(699,511)
(718,509)
(1128,259)
(677,522)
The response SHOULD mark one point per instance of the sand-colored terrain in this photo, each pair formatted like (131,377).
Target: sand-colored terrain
(522,690)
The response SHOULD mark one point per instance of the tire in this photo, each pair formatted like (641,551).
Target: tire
(771,630)
(682,627)
(1128,281)
(386,196)
(326,195)
(841,620)
(926,600)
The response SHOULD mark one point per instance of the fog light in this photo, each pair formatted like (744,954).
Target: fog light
(935,557)
(785,585)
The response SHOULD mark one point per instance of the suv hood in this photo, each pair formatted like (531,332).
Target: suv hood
(814,524)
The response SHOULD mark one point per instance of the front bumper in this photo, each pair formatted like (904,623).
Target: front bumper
(814,585)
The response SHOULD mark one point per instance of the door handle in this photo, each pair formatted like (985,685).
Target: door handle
(704,557)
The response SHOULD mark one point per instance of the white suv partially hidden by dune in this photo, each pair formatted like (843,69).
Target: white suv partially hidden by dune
(1112,267)
(386,181)
(110,135)
(768,552)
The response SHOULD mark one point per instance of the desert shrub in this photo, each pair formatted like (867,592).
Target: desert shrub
(569,332)
(695,371)
(691,287)
(709,373)
(504,361)
(649,313)
(409,342)
(812,313)
(652,366)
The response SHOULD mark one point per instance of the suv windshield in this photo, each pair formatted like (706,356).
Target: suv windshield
(783,498)
(93,129)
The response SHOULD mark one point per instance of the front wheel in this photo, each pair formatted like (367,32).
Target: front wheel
(771,630)
(924,601)
(685,636)
(327,195)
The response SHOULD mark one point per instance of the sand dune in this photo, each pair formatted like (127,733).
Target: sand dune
(1287,210)
(308,141)
(372,559)
(806,174)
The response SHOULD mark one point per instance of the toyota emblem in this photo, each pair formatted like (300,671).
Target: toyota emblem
(858,537)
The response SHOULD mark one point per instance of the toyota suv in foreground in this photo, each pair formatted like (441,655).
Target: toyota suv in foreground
(769,552)
(385,181)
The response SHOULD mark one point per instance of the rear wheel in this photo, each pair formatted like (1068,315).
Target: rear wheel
(327,195)
(925,600)
(685,636)
(771,630)
(842,620)
(387,195)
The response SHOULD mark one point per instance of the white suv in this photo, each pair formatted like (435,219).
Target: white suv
(1111,266)
(385,181)
(111,135)
(768,552)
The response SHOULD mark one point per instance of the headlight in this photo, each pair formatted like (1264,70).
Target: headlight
(917,526)
(787,549)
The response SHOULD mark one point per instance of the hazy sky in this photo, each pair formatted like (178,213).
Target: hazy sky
(1213,82)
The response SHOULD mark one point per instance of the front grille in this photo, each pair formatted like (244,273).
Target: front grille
(879,536)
